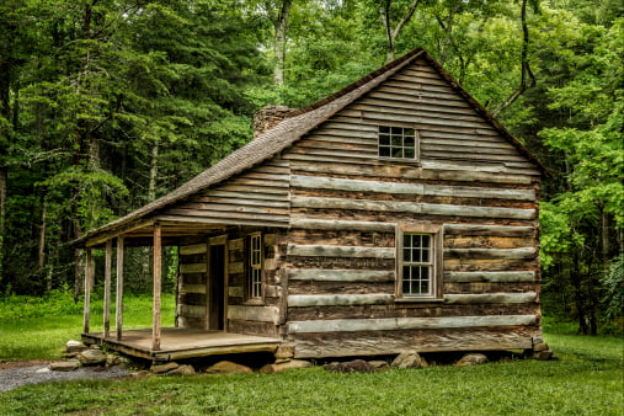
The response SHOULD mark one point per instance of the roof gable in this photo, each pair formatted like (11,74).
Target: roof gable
(295,126)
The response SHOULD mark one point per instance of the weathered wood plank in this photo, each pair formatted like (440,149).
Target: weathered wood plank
(253,313)
(193,268)
(523,253)
(236,199)
(237,267)
(108,266)
(491,277)
(391,343)
(236,291)
(413,208)
(335,300)
(408,172)
(192,311)
(395,324)
(119,289)
(315,182)
(462,241)
(234,207)
(340,251)
(467,299)
(492,230)
(340,275)
(88,282)
(157,277)
(313,224)
(190,288)
(236,244)
(194,249)
(227,215)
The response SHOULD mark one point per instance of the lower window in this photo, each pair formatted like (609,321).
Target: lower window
(254,266)
(419,262)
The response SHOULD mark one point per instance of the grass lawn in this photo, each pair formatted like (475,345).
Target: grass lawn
(588,379)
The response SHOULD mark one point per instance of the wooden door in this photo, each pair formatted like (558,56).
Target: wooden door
(216,288)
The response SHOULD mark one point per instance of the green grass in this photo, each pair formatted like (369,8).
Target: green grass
(38,328)
(587,379)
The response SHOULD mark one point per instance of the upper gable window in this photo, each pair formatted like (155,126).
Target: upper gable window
(397,142)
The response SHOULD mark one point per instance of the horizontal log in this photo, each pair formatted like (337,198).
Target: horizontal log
(236,267)
(218,240)
(188,288)
(412,207)
(296,287)
(395,324)
(489,277)
(471,241)
(226,216)
(341,225)
(236,244)
(193,311)
(338,275)
(336,300)
(273,291)
(467,299)
(392,343)
(315,182)
(492,230)
(194,249)
(340,251)
(253,313)
(236,291)
(409,172)
(193,268)
(489,265)
(239,200)
(523,253)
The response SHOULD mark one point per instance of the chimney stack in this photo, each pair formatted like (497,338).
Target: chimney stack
(269,117)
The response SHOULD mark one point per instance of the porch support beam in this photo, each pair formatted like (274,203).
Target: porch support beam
(119,290)
(87,288)
(157,286)
(107,286)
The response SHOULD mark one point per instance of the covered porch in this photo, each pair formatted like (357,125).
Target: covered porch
(161,344)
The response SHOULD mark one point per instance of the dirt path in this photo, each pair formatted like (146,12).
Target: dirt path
(19,373)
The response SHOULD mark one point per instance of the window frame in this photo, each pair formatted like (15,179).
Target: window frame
(251,266)
(436,245)
(403,127)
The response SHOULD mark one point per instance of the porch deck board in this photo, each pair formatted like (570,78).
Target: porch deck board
(178,343)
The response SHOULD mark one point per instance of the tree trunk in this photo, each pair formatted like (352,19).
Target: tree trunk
(281,26)
(527,79)
(153,174)
(393,33)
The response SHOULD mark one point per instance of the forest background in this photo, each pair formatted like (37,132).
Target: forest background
(106,105)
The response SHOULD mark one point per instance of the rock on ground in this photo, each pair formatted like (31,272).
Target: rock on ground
(355,366)
(228,367)
(286,365)
(92,357)
(409,359)
(471,359)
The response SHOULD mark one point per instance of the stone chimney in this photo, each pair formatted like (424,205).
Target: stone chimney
(269,117)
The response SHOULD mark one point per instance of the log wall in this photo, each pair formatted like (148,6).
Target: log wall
(345,207)
(192,286)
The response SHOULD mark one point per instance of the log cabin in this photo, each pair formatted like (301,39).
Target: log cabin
(396,214)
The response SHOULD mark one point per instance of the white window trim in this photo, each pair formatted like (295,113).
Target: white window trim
(435,230)
(250,296)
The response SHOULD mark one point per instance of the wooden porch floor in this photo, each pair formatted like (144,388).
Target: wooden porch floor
(177,343)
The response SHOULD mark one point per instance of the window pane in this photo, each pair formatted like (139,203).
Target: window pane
(384,140)
(424,287)
(406,272)
(406,287)
(407,243)
(425,240)
(410,154)
(397,141)
(384,151)
(417,240)
(397,130)
(408,141)
(408,132)
(424,273)
(397,153)
(424,256)
(384,129)
(407,255)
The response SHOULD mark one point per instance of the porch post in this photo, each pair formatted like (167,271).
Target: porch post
(157,288)
(119,290)
(107,286)
(87,289)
